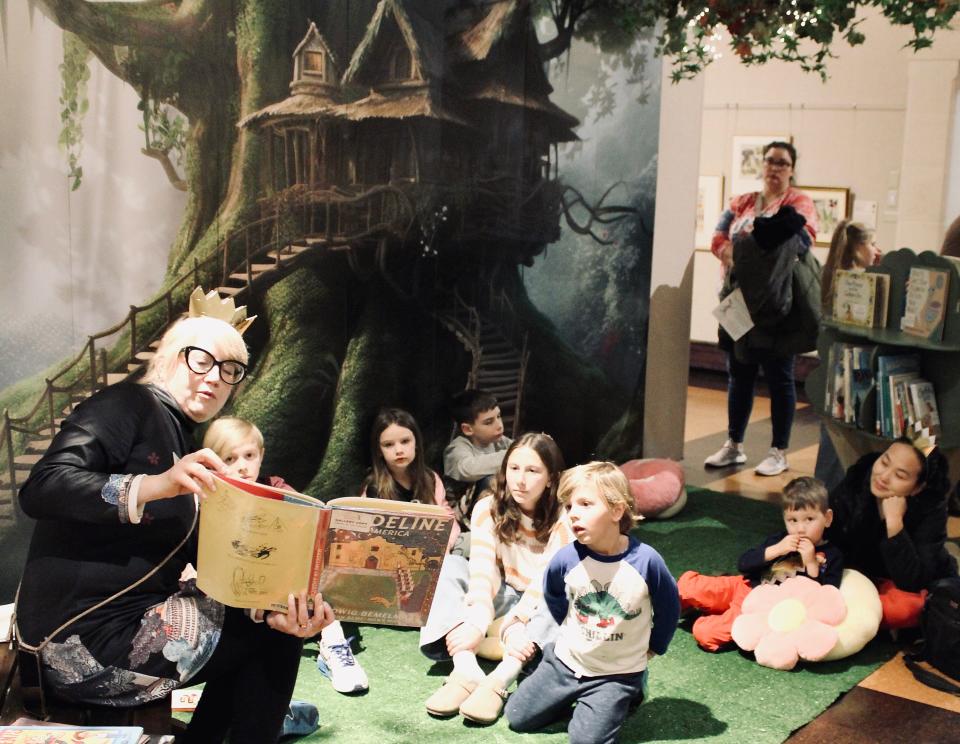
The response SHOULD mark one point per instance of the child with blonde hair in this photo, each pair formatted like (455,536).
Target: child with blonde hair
(616,605)
(515,529)
(239,443)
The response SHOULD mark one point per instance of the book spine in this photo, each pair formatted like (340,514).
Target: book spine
(319,550)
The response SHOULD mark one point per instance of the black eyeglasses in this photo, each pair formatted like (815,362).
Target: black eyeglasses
(202,361)
(777,163)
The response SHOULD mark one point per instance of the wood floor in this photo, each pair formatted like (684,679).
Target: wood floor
(889,705)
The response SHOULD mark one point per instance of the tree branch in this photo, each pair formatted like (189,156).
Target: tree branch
(164,158)
(131,24)
(565,15)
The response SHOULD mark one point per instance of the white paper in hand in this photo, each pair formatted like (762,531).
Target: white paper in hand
(733,315)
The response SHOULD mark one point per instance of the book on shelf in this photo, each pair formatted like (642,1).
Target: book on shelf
(924,400)
(900,411)
(861,383)
(47,733)
(925,302)
(850,381)
(861,298)
(374,560)
(890,365)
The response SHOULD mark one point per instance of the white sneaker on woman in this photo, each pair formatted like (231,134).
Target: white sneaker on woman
(731,453)
(774,463)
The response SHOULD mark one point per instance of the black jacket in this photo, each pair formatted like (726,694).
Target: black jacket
(913,558)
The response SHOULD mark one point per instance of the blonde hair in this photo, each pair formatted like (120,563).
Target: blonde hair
(847,237)
(228,432)
(187,332)
(609,481)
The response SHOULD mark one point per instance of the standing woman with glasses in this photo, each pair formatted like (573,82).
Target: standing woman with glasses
(779,161)
(101,606)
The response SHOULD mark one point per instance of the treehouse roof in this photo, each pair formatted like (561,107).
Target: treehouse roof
(422,37)
(474,44)
(399,104)
(561,123)
(299,106)
(313,34)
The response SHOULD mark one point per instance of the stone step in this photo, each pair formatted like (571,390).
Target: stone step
(144,356)
(230,291)
(133,367)
(26,462)
(114,377)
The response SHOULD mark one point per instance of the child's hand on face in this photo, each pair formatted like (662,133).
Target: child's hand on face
(465,637)
(789,544)
(807,550)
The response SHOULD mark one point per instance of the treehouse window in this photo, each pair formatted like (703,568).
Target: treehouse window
(315,64)
(400,63)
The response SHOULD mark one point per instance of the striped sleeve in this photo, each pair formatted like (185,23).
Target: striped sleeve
(485,576)
(560,536)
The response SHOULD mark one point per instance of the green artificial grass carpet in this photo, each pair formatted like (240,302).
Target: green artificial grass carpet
(694,695)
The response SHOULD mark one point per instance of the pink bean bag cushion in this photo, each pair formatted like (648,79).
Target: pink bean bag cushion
(657,487)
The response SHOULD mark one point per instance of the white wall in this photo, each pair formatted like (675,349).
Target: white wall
(882,125)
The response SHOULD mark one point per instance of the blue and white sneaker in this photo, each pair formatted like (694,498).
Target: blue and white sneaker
(337,662)
(301,719)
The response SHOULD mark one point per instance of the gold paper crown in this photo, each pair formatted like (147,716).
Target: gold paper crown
(212,305)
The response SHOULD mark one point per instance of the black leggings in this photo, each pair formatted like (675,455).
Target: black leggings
(249,682)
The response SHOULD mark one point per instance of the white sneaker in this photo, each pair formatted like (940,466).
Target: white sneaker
(337,662)
(730,453)
(774,463)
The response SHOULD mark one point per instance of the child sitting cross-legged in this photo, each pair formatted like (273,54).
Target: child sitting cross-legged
(800,550)
(516,528)
(616,604)
(239,443)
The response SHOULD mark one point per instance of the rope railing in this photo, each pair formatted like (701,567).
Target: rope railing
(382,208)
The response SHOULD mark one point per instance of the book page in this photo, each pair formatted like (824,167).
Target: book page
(254,549)
(733,315)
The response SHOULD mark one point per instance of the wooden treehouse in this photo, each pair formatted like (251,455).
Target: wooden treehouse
(436,108)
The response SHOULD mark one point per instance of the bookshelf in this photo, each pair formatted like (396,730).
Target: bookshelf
(939,360)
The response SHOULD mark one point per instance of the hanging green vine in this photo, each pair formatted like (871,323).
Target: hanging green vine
(163,132)
(74,74)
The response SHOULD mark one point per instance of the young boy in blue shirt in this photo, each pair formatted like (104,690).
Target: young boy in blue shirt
(617,607)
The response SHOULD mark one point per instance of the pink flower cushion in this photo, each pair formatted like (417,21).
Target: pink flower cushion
(657,487)
(783,623)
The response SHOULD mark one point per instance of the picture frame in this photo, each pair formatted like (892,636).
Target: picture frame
(709,207)
(746,165)
(832,204)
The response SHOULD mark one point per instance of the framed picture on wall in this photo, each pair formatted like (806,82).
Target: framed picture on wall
(832,204)
(746,167)
(709,207)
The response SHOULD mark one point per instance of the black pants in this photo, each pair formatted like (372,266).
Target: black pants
(249,682)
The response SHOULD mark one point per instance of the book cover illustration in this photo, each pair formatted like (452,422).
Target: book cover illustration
(374,560)
(888,366)
(925,406)
(925,303)
(855,300)
(47,734)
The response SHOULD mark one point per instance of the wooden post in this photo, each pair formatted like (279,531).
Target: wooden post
(11,467)
(246,250)
(133,333)
(53,426)
(226,251)
(93,365)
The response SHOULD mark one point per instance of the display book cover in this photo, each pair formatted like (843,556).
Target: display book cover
(925,302)
(46,733)
(902,366)
(861,298)
(375,560)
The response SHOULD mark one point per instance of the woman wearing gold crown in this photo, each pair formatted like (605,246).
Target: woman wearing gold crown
(101,605)
(890,521)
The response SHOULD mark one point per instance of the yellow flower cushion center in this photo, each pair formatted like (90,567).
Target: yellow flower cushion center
(787,615)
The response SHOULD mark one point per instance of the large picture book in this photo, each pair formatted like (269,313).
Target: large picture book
(926,413)
(861,298)
(374,560)
(925,303)
(54,734)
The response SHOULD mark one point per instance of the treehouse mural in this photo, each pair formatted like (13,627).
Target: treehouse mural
(372,178)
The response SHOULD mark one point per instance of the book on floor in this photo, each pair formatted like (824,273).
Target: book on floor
(925,303)
(374,560)
(47,733)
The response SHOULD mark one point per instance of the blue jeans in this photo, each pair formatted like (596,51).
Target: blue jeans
(742,377)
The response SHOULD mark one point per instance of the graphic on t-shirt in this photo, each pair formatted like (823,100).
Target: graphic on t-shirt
(602,605)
